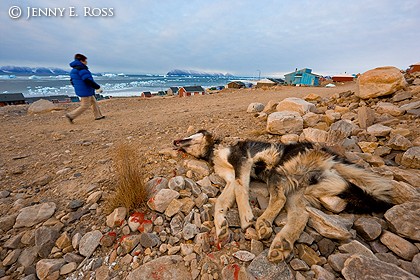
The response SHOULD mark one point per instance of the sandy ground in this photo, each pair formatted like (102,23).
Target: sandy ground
(73,157)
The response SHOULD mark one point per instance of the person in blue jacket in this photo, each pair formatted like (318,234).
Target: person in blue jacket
(84,86)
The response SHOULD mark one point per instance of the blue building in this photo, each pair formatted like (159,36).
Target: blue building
(302,77)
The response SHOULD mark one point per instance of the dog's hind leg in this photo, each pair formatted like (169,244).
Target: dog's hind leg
(297,217)
(275,204)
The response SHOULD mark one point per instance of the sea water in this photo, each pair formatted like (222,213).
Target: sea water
(112,84)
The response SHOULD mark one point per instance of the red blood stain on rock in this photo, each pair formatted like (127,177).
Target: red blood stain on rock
(141,227)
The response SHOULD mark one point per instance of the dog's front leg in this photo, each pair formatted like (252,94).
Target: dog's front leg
(223,203)
(275,204)
(242,199)
(297,217)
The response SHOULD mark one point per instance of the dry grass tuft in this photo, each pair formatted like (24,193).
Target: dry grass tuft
(130,185)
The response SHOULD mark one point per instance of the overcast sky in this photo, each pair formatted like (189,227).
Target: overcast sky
(237,36)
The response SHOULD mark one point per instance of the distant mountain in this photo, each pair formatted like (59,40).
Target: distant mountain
(32,70)
(179,72)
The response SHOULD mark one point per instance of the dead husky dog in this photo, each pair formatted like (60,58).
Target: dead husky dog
(297,175)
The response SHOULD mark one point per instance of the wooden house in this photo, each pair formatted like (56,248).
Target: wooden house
(342,78)
(414,68)
(235,84)
(146,94)
(11,99)
(173,90)
(269,82)
(191,90)
(265,83)
(302,77)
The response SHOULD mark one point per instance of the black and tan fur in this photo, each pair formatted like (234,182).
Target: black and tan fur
(297,175)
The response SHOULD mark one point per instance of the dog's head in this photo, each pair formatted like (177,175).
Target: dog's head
(199,144)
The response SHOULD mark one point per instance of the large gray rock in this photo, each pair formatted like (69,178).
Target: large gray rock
(117,217)
(336,261)
(261,268)
(339,131)
(176,183)
(355,247)
(167,267)
(89,242)
(366,117)
(155,185)
(322,273)
(314,135)
(35,214)
(411,106)
(411,158)
(398,142)
(28,256)
(399,245)
(330,226)
(46,267)
(404,220)
(12,257)
(284,122)
(160,201)
(359,267)
(128,243)
(199,167)
(310,119)
(255,107)
(411,176)
(368,228)
(389,108)
(379,130)
(45,238)
(7,222)
(43,106)
(380,81)
(296,105)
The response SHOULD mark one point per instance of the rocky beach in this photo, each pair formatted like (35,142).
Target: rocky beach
(57,178)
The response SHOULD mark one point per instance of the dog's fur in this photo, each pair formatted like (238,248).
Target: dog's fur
(297,175)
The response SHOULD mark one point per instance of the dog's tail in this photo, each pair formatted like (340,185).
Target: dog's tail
(366,192)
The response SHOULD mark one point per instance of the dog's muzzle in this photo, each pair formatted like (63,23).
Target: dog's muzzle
(181,143)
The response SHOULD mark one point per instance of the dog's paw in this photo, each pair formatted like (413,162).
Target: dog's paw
(263,228)
(280,249)
(247,218)
(224,236)
(222,228)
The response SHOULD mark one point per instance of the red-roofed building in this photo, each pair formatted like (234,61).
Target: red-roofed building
(342,78)
(191,90)
(414,68)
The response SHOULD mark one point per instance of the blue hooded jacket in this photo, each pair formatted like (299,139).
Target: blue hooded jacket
(82,80)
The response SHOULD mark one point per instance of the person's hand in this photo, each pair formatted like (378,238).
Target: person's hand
(99,90)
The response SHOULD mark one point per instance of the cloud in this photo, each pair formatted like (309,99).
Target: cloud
(229,36)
